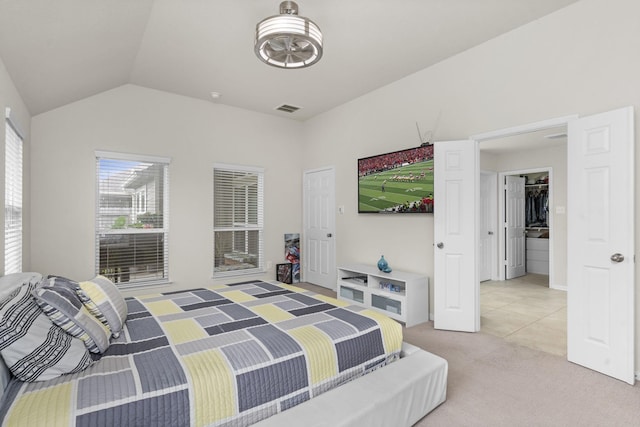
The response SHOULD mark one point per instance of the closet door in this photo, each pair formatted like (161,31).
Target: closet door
(487,241)
(514,227)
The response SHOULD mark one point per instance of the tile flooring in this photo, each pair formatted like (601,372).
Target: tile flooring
(522,310)
(525,311)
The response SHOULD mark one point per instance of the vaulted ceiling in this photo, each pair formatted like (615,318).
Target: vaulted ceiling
(61,51)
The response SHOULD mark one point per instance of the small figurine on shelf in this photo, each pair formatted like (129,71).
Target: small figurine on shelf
(383,265)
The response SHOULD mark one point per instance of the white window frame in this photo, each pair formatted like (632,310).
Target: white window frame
(239,227)
(135,231)
(13,201)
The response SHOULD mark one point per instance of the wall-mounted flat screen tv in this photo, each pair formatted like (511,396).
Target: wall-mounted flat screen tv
(397,182)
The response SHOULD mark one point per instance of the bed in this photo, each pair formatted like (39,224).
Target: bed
(256,352)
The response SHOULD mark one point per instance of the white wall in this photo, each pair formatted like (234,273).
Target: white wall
(9,97)
(580,60)
(194,134)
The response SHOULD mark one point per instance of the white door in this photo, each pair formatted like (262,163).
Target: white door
(600,233)
(318,250)
(514,227)
(487,225)
(455,281)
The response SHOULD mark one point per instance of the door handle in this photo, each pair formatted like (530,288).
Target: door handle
(617,257)
(440,245)
(491,233)
(329,234)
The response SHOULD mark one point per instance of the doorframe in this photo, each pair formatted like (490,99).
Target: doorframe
(531,127)
(518,130)
(501,220)
(526,128)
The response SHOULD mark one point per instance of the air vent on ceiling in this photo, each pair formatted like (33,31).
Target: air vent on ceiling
(287,108)
(556,135)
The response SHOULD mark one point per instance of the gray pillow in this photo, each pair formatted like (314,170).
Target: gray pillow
(33,347)
(103,299)
(60,302)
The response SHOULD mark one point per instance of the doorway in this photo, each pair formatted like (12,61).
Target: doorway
(535,211)
(518,305)
(539,156)
(600,261)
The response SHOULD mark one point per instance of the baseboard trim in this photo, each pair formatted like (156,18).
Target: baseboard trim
(559,287)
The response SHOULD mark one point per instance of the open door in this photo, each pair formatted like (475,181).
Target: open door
(514,227)
(456,190)
(600,233)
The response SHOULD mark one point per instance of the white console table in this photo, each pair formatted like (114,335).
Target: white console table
(400,295)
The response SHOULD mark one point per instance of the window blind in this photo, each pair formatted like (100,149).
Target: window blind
(238,220)
(12,200)
(132,218)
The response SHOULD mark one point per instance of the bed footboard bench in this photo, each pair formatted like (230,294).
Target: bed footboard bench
(399,394)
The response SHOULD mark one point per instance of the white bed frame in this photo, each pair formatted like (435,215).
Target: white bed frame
(399,394)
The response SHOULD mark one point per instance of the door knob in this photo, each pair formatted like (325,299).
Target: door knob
(491,233)
(329,234)
(617,257)
(440,245)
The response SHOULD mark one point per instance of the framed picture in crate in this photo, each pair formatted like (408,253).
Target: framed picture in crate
(292,254)
(284,273)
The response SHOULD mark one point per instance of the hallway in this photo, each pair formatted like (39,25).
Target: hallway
(525,311)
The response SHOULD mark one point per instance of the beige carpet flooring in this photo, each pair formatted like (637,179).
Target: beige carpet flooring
(494,382)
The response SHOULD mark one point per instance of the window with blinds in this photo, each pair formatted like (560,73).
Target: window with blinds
(132,218)
(12,200)
(238,204)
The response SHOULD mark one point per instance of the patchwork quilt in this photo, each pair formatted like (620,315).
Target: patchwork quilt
(220,356)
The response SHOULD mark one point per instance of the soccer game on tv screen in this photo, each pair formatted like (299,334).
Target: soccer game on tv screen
(397,182)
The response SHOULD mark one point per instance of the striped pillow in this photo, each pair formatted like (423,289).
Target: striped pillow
(31,345)
(60,302)
(103,299)
(89,305)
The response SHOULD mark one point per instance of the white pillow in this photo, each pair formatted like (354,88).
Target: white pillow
(33,347)
(8,284)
